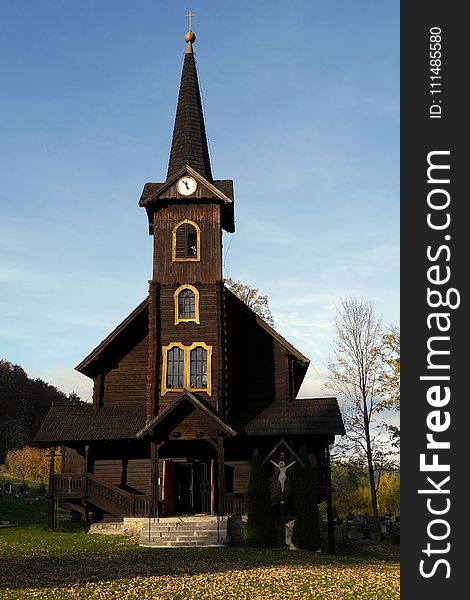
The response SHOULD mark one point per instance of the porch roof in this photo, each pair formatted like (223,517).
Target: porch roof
(198,404)
(65,423)
(312,416)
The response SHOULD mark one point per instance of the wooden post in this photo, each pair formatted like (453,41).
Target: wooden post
(221,475)
(86,468)
(124,467)
(329,504)
(50,499)
(157,482)
(212,486)
(154,487)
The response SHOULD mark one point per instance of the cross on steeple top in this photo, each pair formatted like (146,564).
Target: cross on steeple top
(191,15)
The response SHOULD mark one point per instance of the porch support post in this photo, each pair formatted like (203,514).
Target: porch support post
(50,500)
(86,470)
(212,486)
(329,504)
(221,475)
(154,486)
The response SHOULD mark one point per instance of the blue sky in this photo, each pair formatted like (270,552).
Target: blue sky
(302,111)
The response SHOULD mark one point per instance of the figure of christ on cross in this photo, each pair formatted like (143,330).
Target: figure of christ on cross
(282,472)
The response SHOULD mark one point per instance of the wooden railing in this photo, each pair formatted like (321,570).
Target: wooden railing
(69,486)
(110,495)
(104,495)
(235,504)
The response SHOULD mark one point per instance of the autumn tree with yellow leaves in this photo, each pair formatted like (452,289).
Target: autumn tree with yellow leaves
(363,371)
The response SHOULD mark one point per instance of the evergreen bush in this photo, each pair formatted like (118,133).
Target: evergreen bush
(259,529)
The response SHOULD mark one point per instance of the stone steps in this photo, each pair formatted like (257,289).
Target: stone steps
(184,532)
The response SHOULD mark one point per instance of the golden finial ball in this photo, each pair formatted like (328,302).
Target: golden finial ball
(190,37)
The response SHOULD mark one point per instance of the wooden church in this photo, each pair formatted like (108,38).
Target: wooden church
(192,381)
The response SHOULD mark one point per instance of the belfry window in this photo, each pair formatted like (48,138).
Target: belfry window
(186,304)
(186,241)
(187,367)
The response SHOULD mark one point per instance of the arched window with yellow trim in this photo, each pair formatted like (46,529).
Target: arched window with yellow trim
(198,368)
(186,304)
(186,241)
(175,368)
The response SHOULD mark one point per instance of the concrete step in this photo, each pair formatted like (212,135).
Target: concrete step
(179,529)
(185,532)
(199,531)
(189,541)
(180,544)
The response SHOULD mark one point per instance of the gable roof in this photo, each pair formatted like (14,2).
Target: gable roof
(198,404)
(212,188)
(157,195)
(84,365)
(272,332)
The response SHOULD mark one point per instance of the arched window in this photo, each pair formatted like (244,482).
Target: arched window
(198,368)
(186,304)
(186,241)
(175,368)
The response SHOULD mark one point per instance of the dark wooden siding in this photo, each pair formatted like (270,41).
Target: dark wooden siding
(241,475)
(109,471)
(251,365)
(126,382)
(207,331)
(187,425)
(138,475)
(282,374)
(209,268)
(72,462)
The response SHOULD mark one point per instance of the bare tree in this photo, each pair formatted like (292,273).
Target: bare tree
(357,372)
(258,303)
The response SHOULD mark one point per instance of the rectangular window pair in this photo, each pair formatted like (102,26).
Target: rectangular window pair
(187,367)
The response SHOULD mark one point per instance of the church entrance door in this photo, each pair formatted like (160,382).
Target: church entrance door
(192,487)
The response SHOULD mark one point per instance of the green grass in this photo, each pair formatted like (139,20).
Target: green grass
(59,565)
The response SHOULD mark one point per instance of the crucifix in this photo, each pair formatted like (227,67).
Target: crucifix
(190,15)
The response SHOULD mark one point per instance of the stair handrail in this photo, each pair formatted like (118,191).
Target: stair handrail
(128,497)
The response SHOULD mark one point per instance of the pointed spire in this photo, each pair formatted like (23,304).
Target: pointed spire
(189,144)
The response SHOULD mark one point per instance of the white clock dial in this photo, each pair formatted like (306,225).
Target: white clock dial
(186,186)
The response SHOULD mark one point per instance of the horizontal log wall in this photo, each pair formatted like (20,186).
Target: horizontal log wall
(108,471)
(241,475)
(138,475)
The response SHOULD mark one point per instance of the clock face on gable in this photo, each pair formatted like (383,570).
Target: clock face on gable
(186,186)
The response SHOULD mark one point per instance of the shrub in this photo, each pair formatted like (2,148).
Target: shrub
(259,529)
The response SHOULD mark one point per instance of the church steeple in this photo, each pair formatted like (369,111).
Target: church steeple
(189,143)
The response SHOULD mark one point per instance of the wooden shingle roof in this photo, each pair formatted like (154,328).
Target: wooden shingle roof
(65,423)
(314,416)
(189,143)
